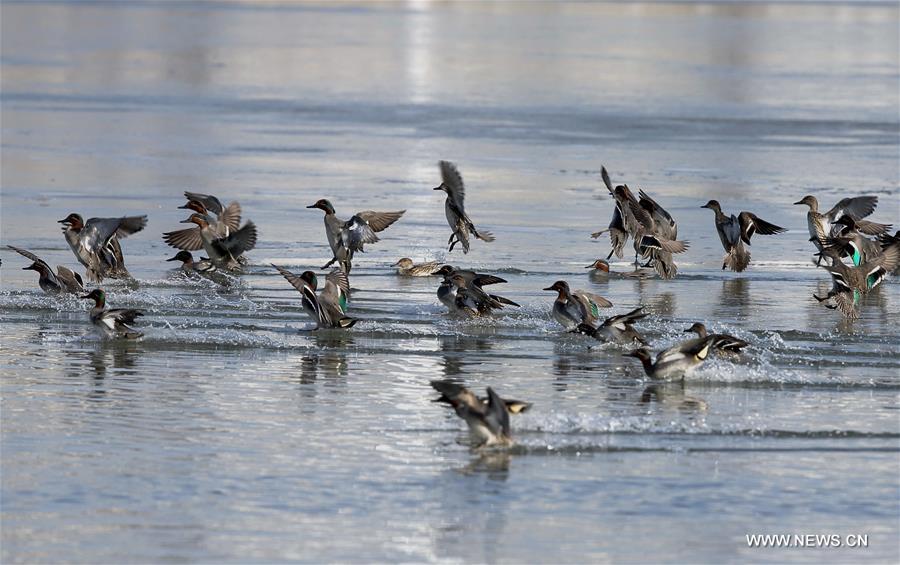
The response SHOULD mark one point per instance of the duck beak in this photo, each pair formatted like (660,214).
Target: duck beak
(188,221)
(591,266)
(172,259)
(64,221)
(397,264)
(705,206)
(438,188)
(795,203)
(29,268)
(86,296)
(549,288)
(313,206)
(185,207)
(689,330)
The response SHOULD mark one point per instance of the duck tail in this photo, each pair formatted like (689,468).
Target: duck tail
(585,329)
(737,259)
(347,322)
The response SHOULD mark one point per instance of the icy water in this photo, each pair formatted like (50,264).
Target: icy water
(230,434)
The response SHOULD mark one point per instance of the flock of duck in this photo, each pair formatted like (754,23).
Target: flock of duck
(856,262)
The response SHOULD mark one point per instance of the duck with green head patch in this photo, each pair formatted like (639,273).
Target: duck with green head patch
(574,307)
(328,309)
(112,322)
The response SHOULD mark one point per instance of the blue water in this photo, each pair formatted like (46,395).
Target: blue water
(230,434)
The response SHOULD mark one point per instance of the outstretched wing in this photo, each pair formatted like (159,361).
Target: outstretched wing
(751,224)
(210,202)
(295,280)
(871,228)
(242,240)
(485,280)
(231,216)
(121,227)
(379,221)
(856,207)
(188,239)
(340,279)
(496,416)
(356,232)
(665,223)
(70,279)
(29,255)
(668,245)
(456,190)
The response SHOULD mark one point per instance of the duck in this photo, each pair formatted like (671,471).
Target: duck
(734,232)
(618,230)
(723,343)
(677,361)
(601,270)
(328,309)
(488,422)
(227,220)
(95,243)
(821,226)
(346,237)
(190,266)
(112,322)
(656,235)
(574,307)
(406,268)
(616,329)
(512,406)
(473,300)
(454,209)
(447,290)
(849,283)
(224,252)
(62,281)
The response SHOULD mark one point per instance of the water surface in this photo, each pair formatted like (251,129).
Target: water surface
(229,433)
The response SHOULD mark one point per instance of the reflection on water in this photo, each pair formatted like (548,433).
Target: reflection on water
(672,395)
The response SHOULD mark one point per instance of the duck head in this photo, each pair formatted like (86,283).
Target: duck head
(600,265)
(35,267)
(713,205)
(809,201)
(562,287)
(697,328)
(98,296)
(73,221)
(196,206)
(323,205)
(310,278)
(198,219)
(404,263)
(445,271)
(183,256)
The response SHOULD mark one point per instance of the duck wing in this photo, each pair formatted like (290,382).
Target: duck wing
(122,315)
(379,221)
(188,239)
(496,416)
(211,203)
(456,190)
(295,280)
(751,224)
(856,207)
(622,321)
(30,255)
(665,223)
(70,279)
(240,241)
(606,180)
(871,228)
(231,216)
